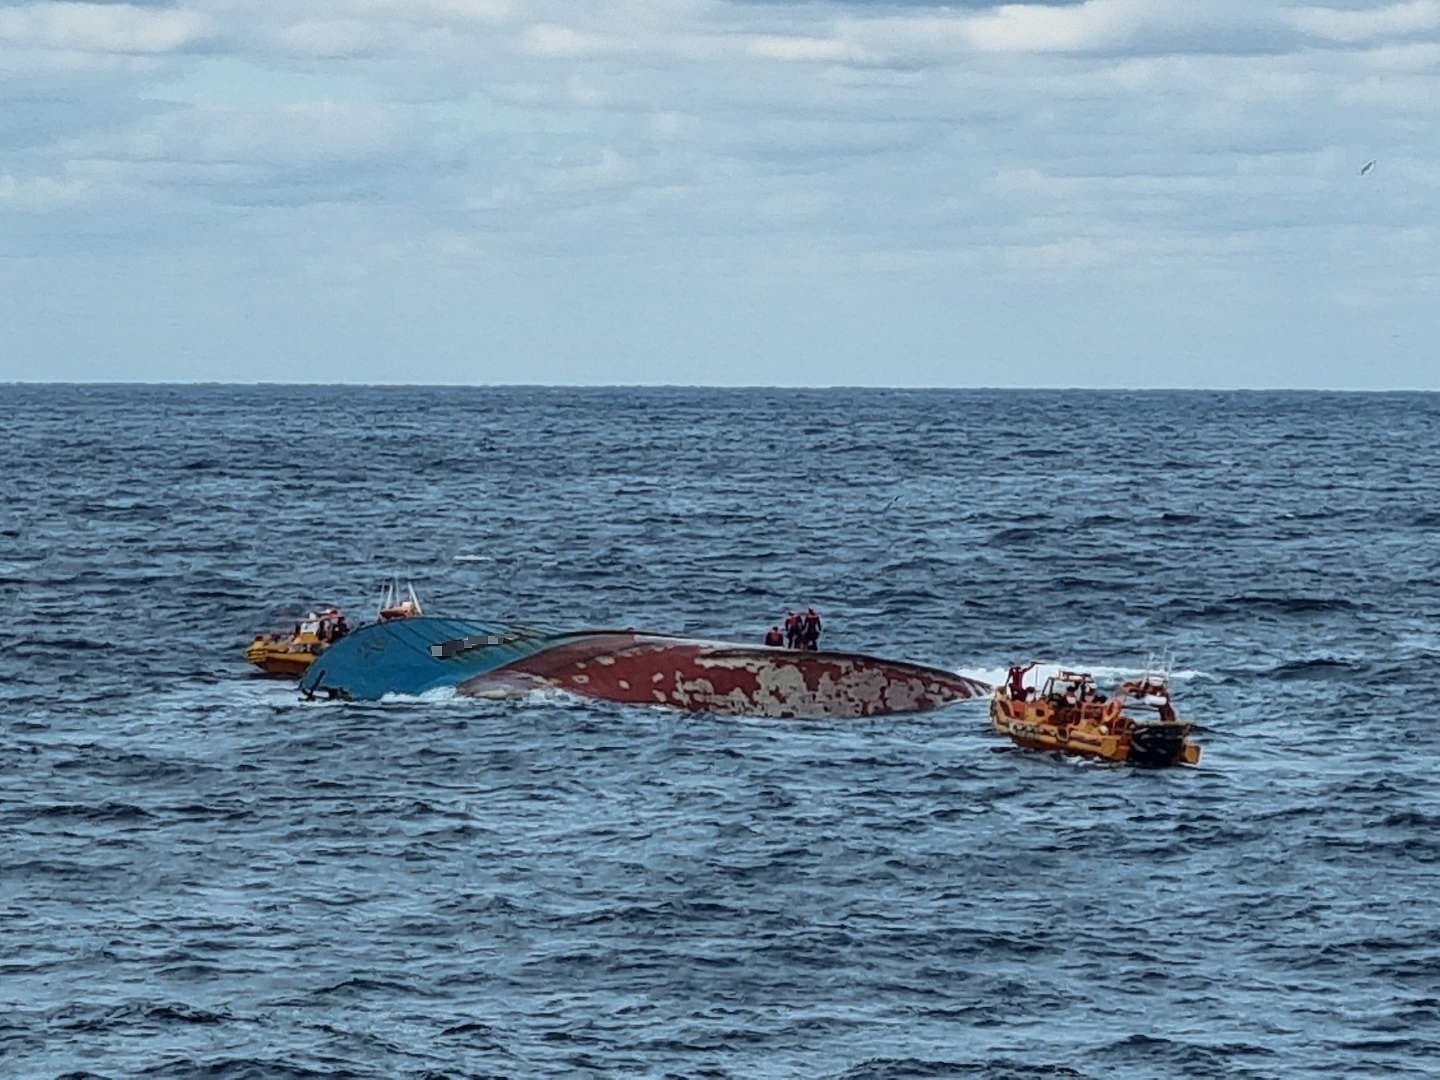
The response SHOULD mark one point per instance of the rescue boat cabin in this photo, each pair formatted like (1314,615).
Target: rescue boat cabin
(397,605)
(1071,688)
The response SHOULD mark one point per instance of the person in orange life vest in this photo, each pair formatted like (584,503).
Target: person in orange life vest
(792,630)
(774,639)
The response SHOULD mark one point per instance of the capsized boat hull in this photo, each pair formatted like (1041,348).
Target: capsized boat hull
(729,679)
(492,660)
(415,656)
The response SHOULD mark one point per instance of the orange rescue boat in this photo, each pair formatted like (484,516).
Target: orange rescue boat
(1070,715)
(290,654)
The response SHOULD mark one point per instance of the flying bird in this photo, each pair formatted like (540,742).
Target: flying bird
(1366,167)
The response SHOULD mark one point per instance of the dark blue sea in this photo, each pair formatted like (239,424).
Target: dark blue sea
(203,876)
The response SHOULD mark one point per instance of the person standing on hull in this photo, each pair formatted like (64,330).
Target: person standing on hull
(792,630)
(810,630)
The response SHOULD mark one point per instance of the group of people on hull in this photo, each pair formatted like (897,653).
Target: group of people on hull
(801,631)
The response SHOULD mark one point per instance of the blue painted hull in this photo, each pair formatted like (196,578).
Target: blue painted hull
(396,657)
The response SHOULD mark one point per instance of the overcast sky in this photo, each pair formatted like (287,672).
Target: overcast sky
(1106,193)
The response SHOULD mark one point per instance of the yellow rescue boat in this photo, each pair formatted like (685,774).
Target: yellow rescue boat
(1069,714)
(289,654)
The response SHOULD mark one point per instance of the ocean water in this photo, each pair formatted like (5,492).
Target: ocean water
(203,876)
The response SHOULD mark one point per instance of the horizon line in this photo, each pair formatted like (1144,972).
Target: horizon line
(217,384)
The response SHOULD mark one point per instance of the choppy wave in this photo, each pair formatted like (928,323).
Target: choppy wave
(204,875)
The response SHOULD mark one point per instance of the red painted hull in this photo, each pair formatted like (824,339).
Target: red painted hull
(726,679)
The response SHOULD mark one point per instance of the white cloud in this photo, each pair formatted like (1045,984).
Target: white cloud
(1349,26)
(1072,253)
(1421,58)
(1102,27)
(795,205)
(291,136)
(670,124)
(565,42)
(1043,28)
(109,28)
(1394,93)
(487,12)
(1087,139)
(39,192)
(750,88)
(331,37)
(772,47)
(610,170)
(1034,182)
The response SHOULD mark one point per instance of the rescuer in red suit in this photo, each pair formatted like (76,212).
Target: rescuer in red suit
(1017,689)
(810,629)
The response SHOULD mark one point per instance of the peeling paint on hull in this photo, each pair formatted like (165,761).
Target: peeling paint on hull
(481,659)
(727,679)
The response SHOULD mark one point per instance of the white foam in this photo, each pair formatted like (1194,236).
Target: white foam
(529,695)
(1419,642)
(243,691)
(438,693)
